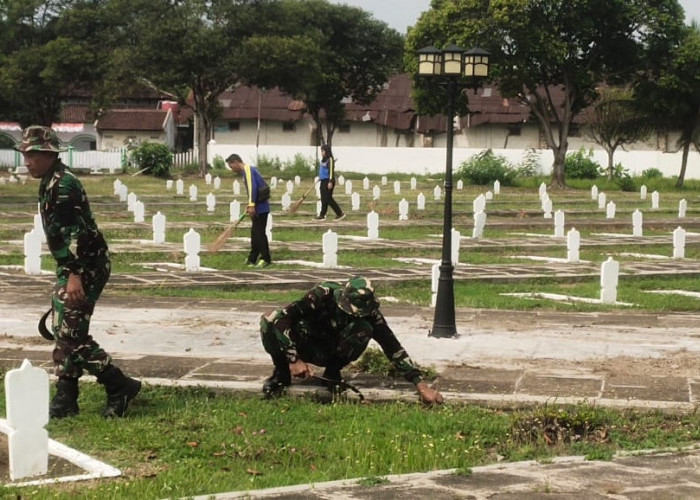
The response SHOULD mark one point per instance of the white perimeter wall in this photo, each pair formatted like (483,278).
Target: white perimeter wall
(376,160)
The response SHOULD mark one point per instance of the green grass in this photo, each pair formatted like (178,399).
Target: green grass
(183,442)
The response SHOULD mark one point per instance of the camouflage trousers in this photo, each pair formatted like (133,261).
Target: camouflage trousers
(75,349)
(336,349)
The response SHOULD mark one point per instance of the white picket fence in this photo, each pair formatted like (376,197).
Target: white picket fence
(94,161)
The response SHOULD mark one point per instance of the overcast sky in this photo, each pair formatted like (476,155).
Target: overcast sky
(399,14)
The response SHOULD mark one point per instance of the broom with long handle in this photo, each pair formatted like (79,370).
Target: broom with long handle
(220,241)
(297,204)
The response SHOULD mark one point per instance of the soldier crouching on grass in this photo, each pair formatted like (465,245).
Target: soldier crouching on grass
(331,326)
(82,270)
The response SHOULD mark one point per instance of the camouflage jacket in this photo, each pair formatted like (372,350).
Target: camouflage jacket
(71,232)
(318,308)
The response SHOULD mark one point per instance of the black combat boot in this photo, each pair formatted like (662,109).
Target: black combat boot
(120,391)
(281,378)
(65,402)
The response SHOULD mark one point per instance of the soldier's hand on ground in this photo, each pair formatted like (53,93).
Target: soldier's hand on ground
(300,369)
(74,290)
(428,395)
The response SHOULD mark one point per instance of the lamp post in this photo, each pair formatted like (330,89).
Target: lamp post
(455,69)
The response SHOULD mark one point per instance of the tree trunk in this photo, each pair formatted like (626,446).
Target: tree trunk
(611,166)
(558,178)
(684,164)
(203,137)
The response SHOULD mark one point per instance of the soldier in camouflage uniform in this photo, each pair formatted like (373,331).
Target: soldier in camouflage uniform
(331,326)
(83,268)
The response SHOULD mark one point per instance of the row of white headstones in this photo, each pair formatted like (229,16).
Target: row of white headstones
(192,240)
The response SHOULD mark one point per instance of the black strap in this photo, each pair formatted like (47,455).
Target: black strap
(45,332)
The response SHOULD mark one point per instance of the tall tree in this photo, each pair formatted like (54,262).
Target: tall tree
(613,121)
(551,54)
(49,49)
(190,49)
(323,54)
(670,91)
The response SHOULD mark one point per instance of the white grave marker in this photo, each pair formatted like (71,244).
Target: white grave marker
(207,179)
(234,211)
(330,250)
(384,180)
(437,193)
(558,224)
(420,202)
(573,242)
(211,202)
(139,211)
(460,185)
(286,201)
(192,242)
(123,191)
(193,192)
(601,201)
(655,200)
(682,207)
(643,192)
(32,252)
(679,243)
(355,201)
(158,222)
(414,183)
(403,209)
(594,193)
(348,187)
(376,192)
(373,225)
(180,187)
(365,183)
(236,186)
(27,402)
(168,185)
(217,182)
(496,187)
(479,223)
(637,221)
(397,187)
(435,279)
(609,273)
(610,210)
(456,240)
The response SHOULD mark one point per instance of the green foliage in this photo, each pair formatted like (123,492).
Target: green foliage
(218,163)
(581,165)
(530,166)
(300,165)
(652,173)
(485,168)
(156,159)
(374,361)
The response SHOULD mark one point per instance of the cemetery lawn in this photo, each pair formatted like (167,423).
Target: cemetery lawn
(179,442)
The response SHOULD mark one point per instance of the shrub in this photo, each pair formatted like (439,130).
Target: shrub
(652,173)
(219,163)
(153,159)
(299,165)
(530,166)
(581,165)
(485,168)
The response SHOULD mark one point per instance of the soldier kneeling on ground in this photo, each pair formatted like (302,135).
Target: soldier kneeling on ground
(331,326)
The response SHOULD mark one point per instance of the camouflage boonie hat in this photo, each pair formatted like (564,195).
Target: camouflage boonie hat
(39,138)
(357,297)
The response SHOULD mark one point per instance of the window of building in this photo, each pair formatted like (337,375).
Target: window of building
(234,126)
(514,129)
(288,127)
(344,128)
(574,130)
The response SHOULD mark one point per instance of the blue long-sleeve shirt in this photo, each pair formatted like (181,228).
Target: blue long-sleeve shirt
(253,182)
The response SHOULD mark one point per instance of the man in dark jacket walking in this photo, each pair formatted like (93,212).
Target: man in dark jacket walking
(82,270)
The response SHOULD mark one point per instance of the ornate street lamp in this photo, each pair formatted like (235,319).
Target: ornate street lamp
(456,69)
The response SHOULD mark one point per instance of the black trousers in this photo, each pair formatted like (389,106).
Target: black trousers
(259,246)
(327,199)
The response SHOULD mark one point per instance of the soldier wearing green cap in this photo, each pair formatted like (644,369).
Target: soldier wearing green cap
(331,326)
(82,270)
